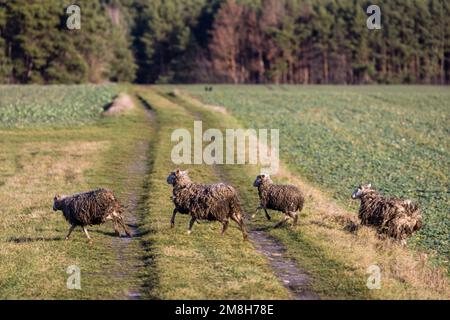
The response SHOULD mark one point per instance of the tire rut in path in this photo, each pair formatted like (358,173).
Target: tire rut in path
(127,248)
(295,280)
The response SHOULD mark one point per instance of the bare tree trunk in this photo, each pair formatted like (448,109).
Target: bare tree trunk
(325,66)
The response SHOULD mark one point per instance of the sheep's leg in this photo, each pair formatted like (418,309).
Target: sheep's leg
(70,231)
(256,211)
(240,222)
(279,224)
(265,210)
(124,226)
(127,231)
(116,228)
(294,216)
(191,223)
(225,226)
(267,214)
(172,221)
(87,234)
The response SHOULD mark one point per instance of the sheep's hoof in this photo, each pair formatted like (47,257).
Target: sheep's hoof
(189,232)
(66,238)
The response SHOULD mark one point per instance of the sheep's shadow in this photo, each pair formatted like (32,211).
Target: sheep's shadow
(30,239)
(111,234)
(137,233)
(321,224)
(265,228)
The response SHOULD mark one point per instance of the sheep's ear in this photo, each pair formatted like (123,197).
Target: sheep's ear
(177,171)
(263,176)
(186,172)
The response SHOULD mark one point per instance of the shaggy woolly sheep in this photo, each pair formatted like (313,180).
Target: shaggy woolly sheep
(285,198)
(394,217)
(216,202)
(90,208)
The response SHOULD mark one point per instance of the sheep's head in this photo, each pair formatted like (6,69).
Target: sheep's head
(57,202)
(178,177)
(261,179)
(362,190)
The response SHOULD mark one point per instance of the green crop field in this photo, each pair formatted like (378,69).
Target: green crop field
(56,106)
(397,138)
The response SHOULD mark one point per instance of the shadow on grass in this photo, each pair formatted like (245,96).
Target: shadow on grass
(138,233)
(29,239)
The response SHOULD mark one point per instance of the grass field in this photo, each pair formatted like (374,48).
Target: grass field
(37,162)
(51,146)
(55,106)
(397,138)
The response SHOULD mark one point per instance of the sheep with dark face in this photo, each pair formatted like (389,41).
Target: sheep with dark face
(91,208)
(216,202)
(285,198)
(393,217)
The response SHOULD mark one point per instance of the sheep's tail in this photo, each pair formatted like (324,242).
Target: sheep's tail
(415,212)
(238,214)
(301,203)
(236,207)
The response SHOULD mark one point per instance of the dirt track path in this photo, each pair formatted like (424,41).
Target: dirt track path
(295,280)
(129,249)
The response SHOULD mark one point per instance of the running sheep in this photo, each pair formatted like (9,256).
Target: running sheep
(216,202)
(396,218)
(285,198)
(91,208)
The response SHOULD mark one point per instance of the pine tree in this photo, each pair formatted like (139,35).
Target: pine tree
(5,61)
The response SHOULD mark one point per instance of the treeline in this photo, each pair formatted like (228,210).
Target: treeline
(232,41)
(37,47)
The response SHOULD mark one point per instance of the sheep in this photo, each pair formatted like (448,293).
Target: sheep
(216,202)
(394,217)
(285,198)
(91,208)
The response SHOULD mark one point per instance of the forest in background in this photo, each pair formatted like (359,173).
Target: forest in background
(225,41)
